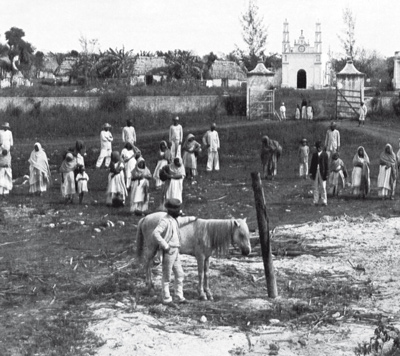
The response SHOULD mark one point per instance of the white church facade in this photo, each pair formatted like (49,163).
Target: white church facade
(301,63)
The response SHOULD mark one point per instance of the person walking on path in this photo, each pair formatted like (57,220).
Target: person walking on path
(129,133)
(363,114)
(270,153)
(387,173)
(304,152)
(282,111)
(167,235)
(212,143)
(39,170)
(319,169)
(360,177)
(176,137)
(106,139)
(332,139)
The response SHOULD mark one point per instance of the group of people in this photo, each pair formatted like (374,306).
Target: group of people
(305,111)
(130,175)
(329,172)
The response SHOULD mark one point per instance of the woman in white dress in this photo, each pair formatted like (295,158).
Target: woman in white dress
(116,189)
(174,186)
(39,170)
(67,168)
(139,196)
(128,157)
(164,158)
(360,177)
(387,173)
(191,148)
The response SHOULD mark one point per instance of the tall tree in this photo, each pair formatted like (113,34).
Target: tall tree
(348,33)
(254,32)
(18,47)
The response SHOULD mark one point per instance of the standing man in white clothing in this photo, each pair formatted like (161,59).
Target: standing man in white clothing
(105,146)
(129,133)
(363,114)
(211,141)
(282,109)
(332,140)
(176,137)
(6,137)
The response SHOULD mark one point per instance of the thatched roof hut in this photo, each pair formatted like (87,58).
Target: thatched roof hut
(144,65)
(227,70)
(49,64)
(65,68)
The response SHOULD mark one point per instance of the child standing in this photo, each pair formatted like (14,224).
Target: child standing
(82,179)
(338,172)
(304,152)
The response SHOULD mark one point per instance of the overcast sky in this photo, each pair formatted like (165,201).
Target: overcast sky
(198,25)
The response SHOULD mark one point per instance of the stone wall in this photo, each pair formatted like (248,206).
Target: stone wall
(173,104)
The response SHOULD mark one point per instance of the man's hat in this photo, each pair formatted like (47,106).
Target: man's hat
(173,204)
(107,126)
(6,125)
(304,140)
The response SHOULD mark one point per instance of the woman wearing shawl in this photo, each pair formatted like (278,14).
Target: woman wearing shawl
(39,170)
(68,178)
(191,149)
(116,189)
(337,175)
(387,173)
(164,158)
(5,172)
(360,177)
(139,195)
(128,157)
(270,152)
(176,174)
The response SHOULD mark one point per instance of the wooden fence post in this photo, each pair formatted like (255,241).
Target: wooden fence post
(263,228)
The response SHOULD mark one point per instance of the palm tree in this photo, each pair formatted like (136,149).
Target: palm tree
(115,63)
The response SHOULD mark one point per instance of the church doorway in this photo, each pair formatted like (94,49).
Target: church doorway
(301,79)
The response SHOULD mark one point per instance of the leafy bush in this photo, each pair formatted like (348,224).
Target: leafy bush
(235,105)
(111,102)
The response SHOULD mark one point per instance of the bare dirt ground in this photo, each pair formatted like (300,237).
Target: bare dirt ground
(65,274)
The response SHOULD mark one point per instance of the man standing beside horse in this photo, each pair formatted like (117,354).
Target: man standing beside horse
(168,238)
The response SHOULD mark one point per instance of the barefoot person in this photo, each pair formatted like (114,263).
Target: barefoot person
(105,146)
(270,152)
(387,173)
(211,141)
(319,173)
(175,137)
(360,177)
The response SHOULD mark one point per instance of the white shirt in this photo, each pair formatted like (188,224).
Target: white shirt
(105,140)
(175,133)
(332,140)
(6,139)
(211,138)
(129,134)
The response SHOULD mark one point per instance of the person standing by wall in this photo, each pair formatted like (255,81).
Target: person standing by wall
(176,137)
(363,113)
(211,141)
(297,113)
(310,111)
(129,133)
(304,109)
(319,174)
(106,139)
(332,139)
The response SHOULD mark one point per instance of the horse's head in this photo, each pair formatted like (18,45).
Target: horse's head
(241,236)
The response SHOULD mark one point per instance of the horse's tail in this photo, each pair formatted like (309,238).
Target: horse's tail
(139,239)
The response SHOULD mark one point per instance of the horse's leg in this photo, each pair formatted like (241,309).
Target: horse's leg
(206,279)
(200,269)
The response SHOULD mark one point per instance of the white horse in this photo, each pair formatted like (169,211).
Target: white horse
(199,238)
